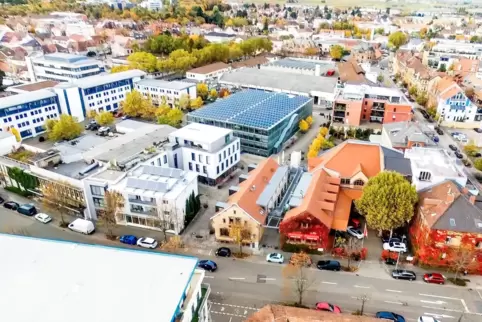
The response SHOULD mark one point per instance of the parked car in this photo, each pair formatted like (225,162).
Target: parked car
(459,155)
(43,218)
(404,275)
(11,205)
(82,226)
(223,252)
(128,239)
(328,265)
(27,210)
(390,316)
(207,265)
(453,147)
(93,126)
(395,238)
(435,278)
(439,131)
(354,232)
(476,154)
(327,307)
(275,258)
(395,247)
(425,318)
(147,242)
(478,130)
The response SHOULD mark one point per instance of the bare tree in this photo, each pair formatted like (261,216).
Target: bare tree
(298,277)
(463,260)
(56,198)
(350,247)
(363,298)
(113,203)
(239,234)
(174,243)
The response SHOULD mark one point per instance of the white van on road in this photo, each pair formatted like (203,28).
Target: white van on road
(82,226)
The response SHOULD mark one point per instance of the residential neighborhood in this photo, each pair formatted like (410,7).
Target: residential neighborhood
(285,161)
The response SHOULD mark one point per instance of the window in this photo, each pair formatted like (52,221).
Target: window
(224,232)
(200,158)
(98,202)
(345,181)
(97,191)
(231,220)
(224,154)
(190,166)
(425,176)
(359,182)
(219,157)
(197,167)
(205,169)
(207,159)
(165,159)
(193,156)
(217,170)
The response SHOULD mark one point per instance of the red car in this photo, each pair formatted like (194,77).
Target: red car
(325,306)
(435,278)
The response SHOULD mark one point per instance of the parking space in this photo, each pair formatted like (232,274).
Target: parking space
(470,134)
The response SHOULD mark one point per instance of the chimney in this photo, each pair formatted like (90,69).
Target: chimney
(472,199)
(465,191)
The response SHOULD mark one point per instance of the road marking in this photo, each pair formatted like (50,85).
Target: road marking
(238,306)
(331,283)
(237,278)
(465,306)
(433,302)
(229,314)
(440,297)
(438,316)
(442,308)
(393,291)
(210,251)
(267,279)
(354,297)
(359,286)
(208,276)
(230,319)
(393,302)
(222,309)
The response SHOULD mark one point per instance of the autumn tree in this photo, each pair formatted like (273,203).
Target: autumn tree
(16,133)
(213,94)
(113,204)
(324,131)
(56,198)
(388,201)
(197,103)
(309,120)
(136,105)
(170,116)
(143,61)
(311,51)
(462,259)
(422,99)
(397,39)
(173,243)
(120,68)
(304,126)
(65,128)
(297,277)
(224,92)
(239,235)
(336,52)
(184,102)
(104,118)
(91,114)
(471,148)
(202,90)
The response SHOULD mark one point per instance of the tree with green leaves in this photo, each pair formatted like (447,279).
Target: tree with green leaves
(65,128)
(380,78)
(388,201)
(336,52)
(397,39)
(143,61)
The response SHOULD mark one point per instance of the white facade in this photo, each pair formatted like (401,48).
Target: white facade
(154,5)
(63,67)
(170,91)
(199,75)
(431,166)
(209,151)
(28,112)
(8,143)
(79,28)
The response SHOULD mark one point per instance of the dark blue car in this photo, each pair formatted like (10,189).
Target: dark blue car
(207,265)
(390,316)
(128,239)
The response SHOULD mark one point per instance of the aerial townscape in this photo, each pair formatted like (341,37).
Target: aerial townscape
(229,161)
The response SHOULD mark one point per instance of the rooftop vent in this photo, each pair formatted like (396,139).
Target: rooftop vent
(452,222)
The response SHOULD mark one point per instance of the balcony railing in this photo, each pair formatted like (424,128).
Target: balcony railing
(340,107)
(339,114)
(144,211)
(376,119)
(377,113)
(378,107)
(142,202)
(199,314)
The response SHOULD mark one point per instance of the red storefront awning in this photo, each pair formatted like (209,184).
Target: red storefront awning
(312,237)
(295,235)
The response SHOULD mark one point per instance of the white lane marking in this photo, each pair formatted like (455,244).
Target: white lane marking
(393,302)
(237,278)
(208,276)
(230,319)
(388,290)
(238,306)
(354,297)
(229,314)
(267,279)
(438,316)
(210,252)
(465,306)
(433,302)
(359,286)
(442,308)
(440,297)
(331,283)
(222,308)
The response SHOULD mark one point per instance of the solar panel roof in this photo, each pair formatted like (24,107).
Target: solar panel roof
(253,108)
(303,64)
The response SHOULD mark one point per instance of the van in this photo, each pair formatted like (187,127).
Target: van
(27,210)
(82,226)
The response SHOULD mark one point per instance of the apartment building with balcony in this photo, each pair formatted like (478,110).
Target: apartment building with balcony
(62,67)
(357,104)
(161,91)
(209,151)
(176,282)
(445,51)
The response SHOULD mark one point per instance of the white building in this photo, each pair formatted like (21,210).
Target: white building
(431,166)
(70,273)
(28,112)
(210,151)
(154,5)
(62,67)
(208,72)
(99,93)
(154,196)
(170,91)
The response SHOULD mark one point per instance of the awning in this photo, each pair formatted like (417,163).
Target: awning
(312,237)
(295,235)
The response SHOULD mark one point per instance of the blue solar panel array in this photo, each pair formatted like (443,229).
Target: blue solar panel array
(252,108)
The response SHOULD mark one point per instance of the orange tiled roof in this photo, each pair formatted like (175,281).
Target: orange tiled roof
(435,201)
(450,92)
(246,197)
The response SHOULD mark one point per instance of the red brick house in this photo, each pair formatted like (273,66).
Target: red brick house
(446,219)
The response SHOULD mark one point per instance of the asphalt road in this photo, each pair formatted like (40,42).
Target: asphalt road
(239,288)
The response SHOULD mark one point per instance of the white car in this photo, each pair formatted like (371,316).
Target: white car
(275,258)
(395,247)
(354,232)
(425,318)
(43,218)
(147,242)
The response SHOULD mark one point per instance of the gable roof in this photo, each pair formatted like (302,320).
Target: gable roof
(400,133)
(444,207)
(209,68)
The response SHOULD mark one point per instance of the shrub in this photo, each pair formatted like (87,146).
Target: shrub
(478,164)
(458,281)
(294,248)
(18,191)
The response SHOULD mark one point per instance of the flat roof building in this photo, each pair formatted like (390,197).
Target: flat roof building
(72,275)
(263,121)
(159,90)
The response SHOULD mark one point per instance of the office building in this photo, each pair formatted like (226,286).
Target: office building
(89,283)
(263,121)
(62,67)
(98,93)
(28,112)
(154,5)
(209,151)
(160,90)
(357,104)
(208,72)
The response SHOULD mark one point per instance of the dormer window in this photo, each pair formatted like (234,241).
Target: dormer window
(345,181)
(359,182)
